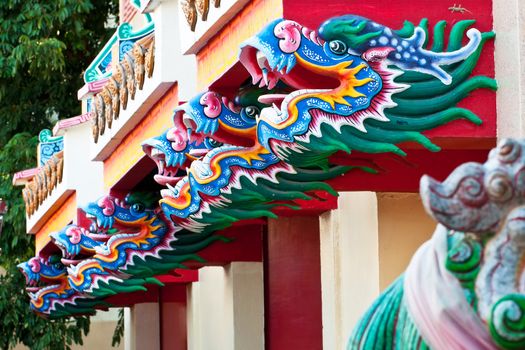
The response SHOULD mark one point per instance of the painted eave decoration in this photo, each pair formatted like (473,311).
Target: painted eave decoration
(352,85)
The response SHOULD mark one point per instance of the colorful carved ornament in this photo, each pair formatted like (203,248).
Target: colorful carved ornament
(128,76)
(43,183)
(354,85)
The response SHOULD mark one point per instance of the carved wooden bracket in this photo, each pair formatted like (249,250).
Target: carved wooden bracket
(127,77)
(43,183)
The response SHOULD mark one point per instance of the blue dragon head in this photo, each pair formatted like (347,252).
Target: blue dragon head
(42,270)
(205,122)
(331,85)
(206,125)
(46,283)
(74,241)
(110,214)
(345,82)
(130,229)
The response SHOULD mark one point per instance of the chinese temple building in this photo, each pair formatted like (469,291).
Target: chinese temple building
(245,174)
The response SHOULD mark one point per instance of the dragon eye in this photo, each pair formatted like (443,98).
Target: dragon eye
(138,208)
(338,47)
(252,111)
(214,143)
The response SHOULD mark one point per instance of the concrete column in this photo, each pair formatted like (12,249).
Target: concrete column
(349,264)
(128,343)
(509,25)
(144,327)
(226,308)
(81,173)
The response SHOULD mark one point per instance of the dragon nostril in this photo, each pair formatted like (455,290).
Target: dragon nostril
(107,205)
(74,235)
(34,264)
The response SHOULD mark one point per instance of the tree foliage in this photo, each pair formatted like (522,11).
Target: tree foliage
(44,47)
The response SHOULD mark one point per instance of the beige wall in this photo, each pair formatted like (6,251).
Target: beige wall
(403,227)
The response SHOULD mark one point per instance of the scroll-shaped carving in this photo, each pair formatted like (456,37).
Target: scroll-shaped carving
(203,6)
(128,76)
(190,12)
(150,59)
(108,111)
(113,88)
(138,58)
(100,113)
(120,77)
(43,183)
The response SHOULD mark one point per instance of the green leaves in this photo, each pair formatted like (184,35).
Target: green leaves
(44,47)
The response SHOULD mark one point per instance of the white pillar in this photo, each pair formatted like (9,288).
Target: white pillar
(170,63)
(80,172)
(226,308)
(128,343)
(349,264)
(509,25)
(145,327)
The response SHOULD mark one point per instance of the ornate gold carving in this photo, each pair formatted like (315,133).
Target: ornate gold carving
(150,59)
(94,122)
(60,166)
(138,58)
(190,12)
(203,6)
(113,89)
(129,67)
(120,77)
(108,112)
(43,183)
(127,76)
(99,105)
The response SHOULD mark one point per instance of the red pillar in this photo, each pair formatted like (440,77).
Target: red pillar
(292,270)
(172,314)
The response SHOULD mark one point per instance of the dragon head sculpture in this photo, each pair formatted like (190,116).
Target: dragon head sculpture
(207,121)
(47,286)
(75,241)
(124,230)
(358,85)
(333,100)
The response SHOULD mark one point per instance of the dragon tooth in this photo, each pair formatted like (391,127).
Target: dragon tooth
(265,75)
(261,59)
(161,166)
